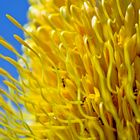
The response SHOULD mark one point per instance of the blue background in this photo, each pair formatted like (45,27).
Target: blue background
(17,9)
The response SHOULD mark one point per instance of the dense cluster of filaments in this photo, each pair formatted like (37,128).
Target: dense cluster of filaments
(79,74)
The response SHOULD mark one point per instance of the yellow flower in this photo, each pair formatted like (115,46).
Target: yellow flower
(79,75)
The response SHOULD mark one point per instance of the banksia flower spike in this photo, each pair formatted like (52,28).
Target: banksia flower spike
(79,74)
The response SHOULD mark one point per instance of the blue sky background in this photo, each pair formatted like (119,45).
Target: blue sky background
(17,9)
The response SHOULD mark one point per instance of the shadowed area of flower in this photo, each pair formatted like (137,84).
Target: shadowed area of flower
(79,74)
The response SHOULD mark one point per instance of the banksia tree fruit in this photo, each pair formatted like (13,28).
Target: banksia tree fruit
(79,74)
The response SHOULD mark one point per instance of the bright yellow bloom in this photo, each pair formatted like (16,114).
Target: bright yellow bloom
(79,75)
